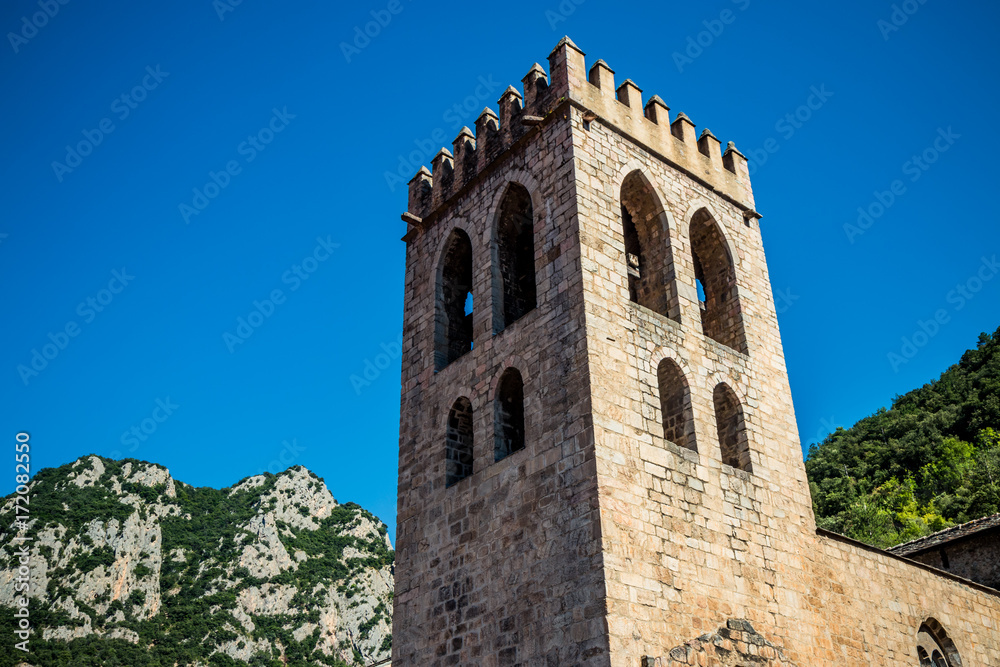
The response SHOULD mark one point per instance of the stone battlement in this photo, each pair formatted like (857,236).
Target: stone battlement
(595,95)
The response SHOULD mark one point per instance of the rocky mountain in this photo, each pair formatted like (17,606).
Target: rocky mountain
(130,567)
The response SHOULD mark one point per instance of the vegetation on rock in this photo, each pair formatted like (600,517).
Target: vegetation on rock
(142,571)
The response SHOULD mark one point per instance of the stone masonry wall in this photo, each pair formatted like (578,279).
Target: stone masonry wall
(976,557)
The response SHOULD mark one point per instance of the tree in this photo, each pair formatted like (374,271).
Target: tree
(932,459)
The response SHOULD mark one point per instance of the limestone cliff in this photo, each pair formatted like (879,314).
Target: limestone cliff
(130,567)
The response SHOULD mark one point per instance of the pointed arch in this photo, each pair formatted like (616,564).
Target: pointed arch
(515,291)
(715,275)
(648,256)
(452,318)
(458,442)
(731,425)
(675,405)
(509,414)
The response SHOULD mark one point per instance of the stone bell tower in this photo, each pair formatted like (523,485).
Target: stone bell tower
(598,453)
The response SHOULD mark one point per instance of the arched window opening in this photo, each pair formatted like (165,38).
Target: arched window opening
(515,258)
(732,429)
(453,313)
(675,405)
(934,647)
(648,259)
(699,283)
(458,442)
(721,314)
(633,256)
(509,414)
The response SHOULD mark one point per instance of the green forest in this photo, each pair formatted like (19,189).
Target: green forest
(930,461)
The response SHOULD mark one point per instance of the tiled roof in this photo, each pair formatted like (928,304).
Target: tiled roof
(947,535)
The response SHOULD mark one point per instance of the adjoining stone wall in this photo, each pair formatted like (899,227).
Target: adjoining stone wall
(870,606)
(976,558)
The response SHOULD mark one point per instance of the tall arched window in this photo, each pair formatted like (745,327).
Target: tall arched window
(675,405)
(515,294)
(458,442)
(934,647)
(648,259)
(452,317)
(721,315)
(732,428)
(509,414)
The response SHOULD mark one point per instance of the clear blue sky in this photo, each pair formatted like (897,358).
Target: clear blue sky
(345,119)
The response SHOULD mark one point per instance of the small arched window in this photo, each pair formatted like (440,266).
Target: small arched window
(648,259)
(675,405)
(458,442)
(452,314)
(515,294)
(732,428)
(509,414)
(715,276)
(934,647)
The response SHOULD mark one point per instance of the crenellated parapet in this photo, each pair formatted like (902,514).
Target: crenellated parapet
(593,92)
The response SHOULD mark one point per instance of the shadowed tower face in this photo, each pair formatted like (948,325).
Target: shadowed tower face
(598,458)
